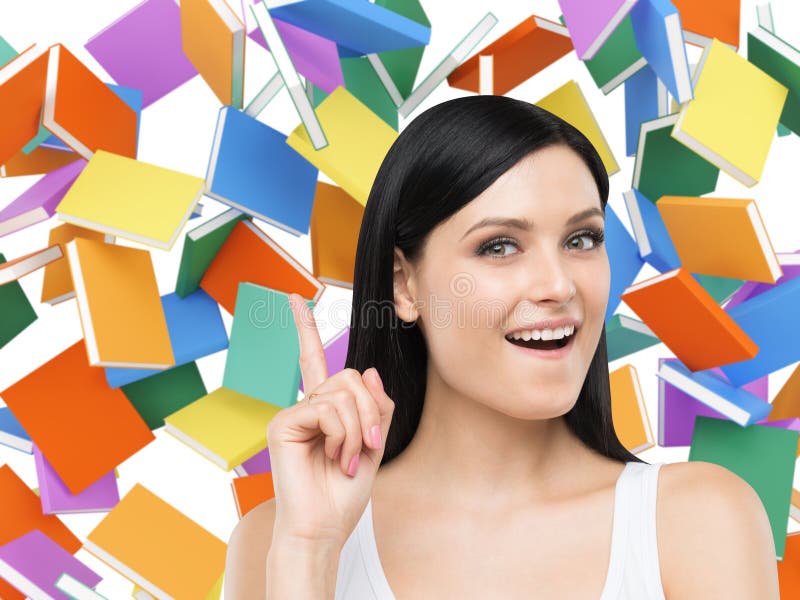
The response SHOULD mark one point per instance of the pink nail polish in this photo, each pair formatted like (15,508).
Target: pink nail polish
(353,467)
(375,434)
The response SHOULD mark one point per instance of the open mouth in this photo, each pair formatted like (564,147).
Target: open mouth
(544,345)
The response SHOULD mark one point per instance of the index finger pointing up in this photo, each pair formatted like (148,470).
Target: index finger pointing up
(313,366)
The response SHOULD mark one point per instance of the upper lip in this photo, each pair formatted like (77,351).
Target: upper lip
(547,324)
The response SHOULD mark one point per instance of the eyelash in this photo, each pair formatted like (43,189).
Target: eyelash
(597,236)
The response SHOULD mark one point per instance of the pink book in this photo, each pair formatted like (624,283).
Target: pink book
(590,23)
(101,496)
(33,563)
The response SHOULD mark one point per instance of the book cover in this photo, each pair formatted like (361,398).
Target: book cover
(656,246)
(335,225)
(628,410)
(590,24)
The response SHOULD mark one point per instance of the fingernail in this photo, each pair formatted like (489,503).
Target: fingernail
(353,467)
(375,434)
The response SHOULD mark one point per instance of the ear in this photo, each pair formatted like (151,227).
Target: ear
(404,288)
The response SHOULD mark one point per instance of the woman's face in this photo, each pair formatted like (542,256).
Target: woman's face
(475,283)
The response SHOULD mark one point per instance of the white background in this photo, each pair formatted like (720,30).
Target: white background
(176,132)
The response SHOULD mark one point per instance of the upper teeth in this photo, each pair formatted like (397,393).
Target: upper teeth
(543,334)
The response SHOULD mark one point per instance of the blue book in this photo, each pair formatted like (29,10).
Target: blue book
(623,258)
(772,321)
(659,36)
(655,244)
(254,170)
(357,25)
(735,403)
(646,99)
(12,434)
(195,329)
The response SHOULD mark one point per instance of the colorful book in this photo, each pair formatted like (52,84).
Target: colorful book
(335,225)
(7,51)
(664,166)
(38,203)
(38,162)
(659,36)
(158,547)
(200,246)
(56,497)
(517,55)
(789,567)
(251,255)
(17,310)
(652,236)
(646,98)
(279,191)
(76,590)
(84,427)
(212,37)
(763,456)
(727,86)
(151,203)
(569,103)
(751,289)
(402,66)
(195,330)
(725,237)
(251,490)
(628,410)
(12,434)
(704,21)
(591,24)
(679,311)
(121,313)
(626,335)
(623,258)
(720,288)
(33,562)
(258,463)
(786,403)
(24,265)
(164,393)
(224,426)
(617,60)
(111,125)
(781,61)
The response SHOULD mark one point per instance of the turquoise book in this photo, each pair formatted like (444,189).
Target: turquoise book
(626,335)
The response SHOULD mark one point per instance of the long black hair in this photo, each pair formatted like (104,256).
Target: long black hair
(442,160)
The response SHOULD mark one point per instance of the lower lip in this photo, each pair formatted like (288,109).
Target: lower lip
(551,354)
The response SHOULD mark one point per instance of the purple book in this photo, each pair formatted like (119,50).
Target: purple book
(335,353)
(677,410)
(102,495)
(142,50)
(315,57)
(753,288)
(793,423)
(259,463)
(591,23)
(33,563)
(38,202)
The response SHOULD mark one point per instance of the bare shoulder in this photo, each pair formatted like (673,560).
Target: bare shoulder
(714,536)
(246,561)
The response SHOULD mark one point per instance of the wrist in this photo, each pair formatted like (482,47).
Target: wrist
(299,568)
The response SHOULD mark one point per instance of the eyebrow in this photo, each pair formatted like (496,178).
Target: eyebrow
(526,225)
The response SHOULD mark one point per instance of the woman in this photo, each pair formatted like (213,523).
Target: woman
(501,475)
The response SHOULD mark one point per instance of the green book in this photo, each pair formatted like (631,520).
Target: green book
(264,349)
(403,65)
(781,61)
(16,309)
(665,167)
(762,455)
(720,288)
(6,51)
(200,247)
(164,393)
(626,335)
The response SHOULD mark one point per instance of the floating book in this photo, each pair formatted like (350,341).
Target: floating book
(41,160)
(251,490)
(591,24)
(623,258)
(626,335)
(646,98)
(258,463)
(212,36)
(131,199)
(16,309)
(628,410)
(786,403)
(12,434)
(121,312)
(402,66)
(335,226)
(617,59)
(725,237)
(655,244)
(680,312)
(24,265)
(781,61)
(727,86)
(704,21)
(158,547)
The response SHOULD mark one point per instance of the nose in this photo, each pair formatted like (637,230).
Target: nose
(550,280)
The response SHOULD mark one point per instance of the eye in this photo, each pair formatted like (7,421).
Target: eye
(596,235)
(492,247)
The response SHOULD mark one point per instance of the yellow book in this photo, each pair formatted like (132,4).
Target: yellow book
(734,113)
(628,411)
(724,237)
(224,426)
(358,140)
(569,103)
(158,548)
(131,199)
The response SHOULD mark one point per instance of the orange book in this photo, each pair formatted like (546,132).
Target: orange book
(39,161)
(22,85)
(119,305)
(82,111)
(335,226)
(23,265)
(158,547)
(57,282)
(703,21)
(789,567)
(517,56)
(689,321)
(628,410)
(251,255)
(251,490)
(20,513)
(82,426)
(786,404)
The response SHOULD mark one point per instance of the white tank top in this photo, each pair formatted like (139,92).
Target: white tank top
(633,571)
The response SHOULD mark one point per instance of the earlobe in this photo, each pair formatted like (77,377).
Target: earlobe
(404,303)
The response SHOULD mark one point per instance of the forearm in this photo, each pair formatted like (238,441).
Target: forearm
(301,571)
